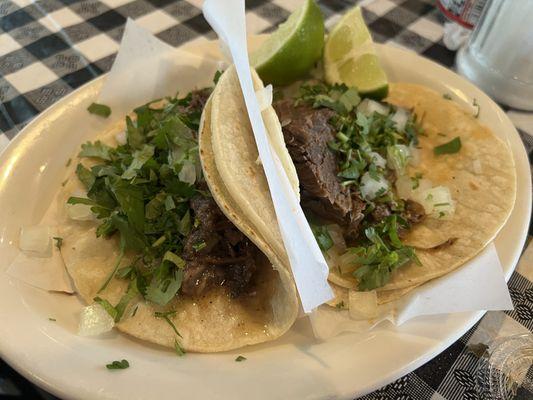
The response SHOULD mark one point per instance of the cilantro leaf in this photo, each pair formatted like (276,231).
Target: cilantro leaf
(217,76)
(178,349)
(95,150)
(99,109)
(134,136)
(165,316)
(85,176)
(131,200)
(59,242)
(140,157)
(125,300)
(451,147)
(322,236)
(123,364)
(132,239)
(106,306)
(350,99)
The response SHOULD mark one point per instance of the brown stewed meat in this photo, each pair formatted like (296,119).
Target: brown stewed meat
(216,252)
(307,132)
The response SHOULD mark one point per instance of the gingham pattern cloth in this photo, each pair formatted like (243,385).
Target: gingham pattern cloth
(48,48)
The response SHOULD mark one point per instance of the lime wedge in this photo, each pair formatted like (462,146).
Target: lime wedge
(291,51)
(350,57)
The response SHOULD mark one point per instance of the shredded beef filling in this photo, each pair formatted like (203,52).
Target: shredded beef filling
(307,132)
(198,100)
(216,252)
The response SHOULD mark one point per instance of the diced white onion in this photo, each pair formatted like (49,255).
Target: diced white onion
(377,159)
(414,160)
(423,184)
(36,241)
(368,107)
(371,187)
(80,212)
(347,262)
(476,165)
(121,138)
(404,187)
(94,320)
(264,97)
(437,201)
(362,305)
(400,118)
(335,232)
(187,173)
(398,157)
(406,190)
(176,156)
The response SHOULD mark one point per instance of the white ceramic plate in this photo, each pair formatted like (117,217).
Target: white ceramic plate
(296,366)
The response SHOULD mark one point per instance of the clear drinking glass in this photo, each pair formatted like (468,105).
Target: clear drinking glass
(505,371)
(499,55)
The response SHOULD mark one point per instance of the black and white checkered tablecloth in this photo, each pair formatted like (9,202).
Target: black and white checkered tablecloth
(48,48)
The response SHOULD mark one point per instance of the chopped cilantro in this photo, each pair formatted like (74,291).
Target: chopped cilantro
(199,246)
(441,204)
(125,300)
(112,311)
(115,269)
(96,150)
(339,98)
(217,76)
(135,192)
(451,147)
(165,316)
(240,358)
(52,319)
(322,236)
(69,161)
(447,96)
(174,259)
(340,305)
(123,364)
(381,253)
(416,180)
(99,109)
(59,241)
(178,349)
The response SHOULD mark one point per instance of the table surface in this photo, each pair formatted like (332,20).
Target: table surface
(48,48)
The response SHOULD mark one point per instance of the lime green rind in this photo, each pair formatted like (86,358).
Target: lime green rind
(298,54)
(349,57)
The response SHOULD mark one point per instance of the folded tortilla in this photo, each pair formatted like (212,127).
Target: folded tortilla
(481,178)
(211,322)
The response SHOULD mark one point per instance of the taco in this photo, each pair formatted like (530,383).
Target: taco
(149,236)
(397,192)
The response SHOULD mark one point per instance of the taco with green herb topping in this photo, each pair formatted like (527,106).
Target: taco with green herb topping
(150,238)
(397,192)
